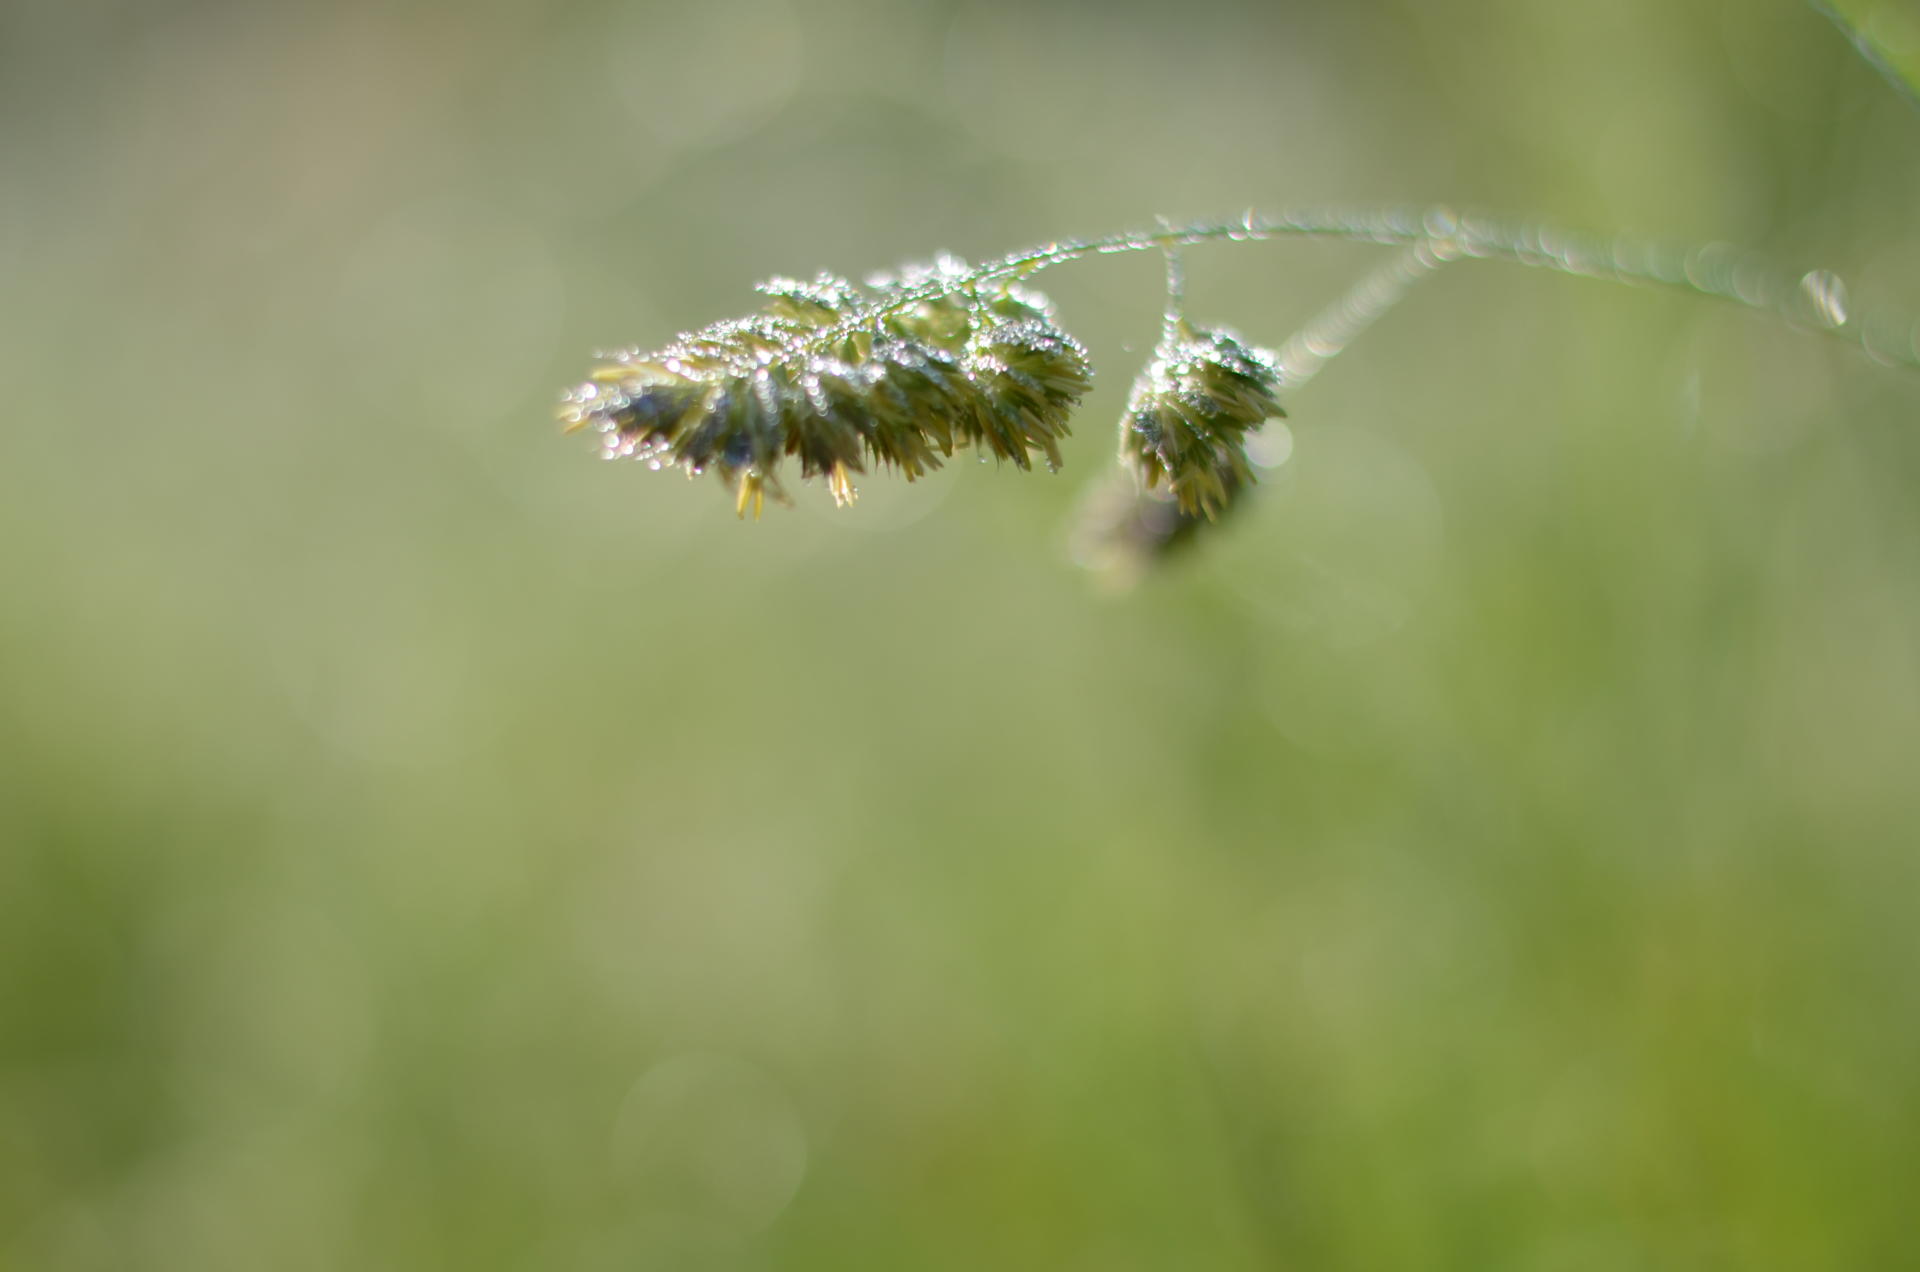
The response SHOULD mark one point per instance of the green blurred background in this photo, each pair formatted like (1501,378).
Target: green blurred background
(422,846)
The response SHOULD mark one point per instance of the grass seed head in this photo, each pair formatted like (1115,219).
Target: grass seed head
(899,376)
(1189,412)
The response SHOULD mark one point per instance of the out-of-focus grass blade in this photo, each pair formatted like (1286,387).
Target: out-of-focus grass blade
(1887,34)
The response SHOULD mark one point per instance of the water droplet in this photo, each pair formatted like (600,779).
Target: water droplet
(1828,295)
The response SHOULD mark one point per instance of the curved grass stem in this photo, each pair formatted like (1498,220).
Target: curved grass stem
(1813,302)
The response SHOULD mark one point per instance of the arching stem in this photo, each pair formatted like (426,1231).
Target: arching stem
(1715,270)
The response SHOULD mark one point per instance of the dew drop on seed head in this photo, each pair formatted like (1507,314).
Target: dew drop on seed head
(1828,295)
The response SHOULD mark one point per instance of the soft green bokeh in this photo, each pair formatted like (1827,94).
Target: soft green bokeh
(423,847)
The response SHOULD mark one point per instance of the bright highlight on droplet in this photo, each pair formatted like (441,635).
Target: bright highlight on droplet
(1828,296)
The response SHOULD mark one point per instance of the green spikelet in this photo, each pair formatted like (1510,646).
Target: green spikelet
(1189,413)
(899,376)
